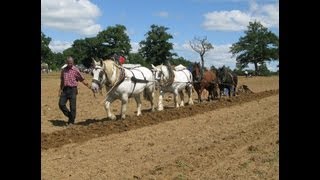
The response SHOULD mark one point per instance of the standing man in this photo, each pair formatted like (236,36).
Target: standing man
(70,75)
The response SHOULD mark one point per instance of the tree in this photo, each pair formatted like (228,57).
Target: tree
(58,61)
(257,46)
(181,60)
(78,50)
(263,70)
(113,40)
(83,50)
(213,68)
(46,53)
(201,46)
(156,48)
(136,58)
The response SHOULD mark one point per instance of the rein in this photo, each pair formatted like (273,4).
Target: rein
(169,82)
(119,80)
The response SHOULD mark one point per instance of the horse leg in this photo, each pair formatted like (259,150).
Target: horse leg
(138,101)
(216,91)
(107,108)
(150,95)
(229,91)
(175,94)
(189,89)
(197,89)
(210,93)
(160,102)
(199,95)
(124,101)
(181,98)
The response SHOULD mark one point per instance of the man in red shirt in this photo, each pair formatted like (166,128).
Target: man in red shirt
(122,60)
(119,59)
(70,75)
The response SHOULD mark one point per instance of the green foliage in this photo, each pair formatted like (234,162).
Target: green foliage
(112,40)
(227,68)
(180,60)
(115,40)
(213,68)
(83,50)
(58,61)
(136,58)
(46,53)
(257,46)
(263,70)
(156,48)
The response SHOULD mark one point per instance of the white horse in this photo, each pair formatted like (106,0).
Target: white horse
(174,81)
(122,83)
(99,78)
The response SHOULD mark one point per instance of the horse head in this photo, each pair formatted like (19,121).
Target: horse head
(157,71)
(98,76)
(96,63)
(113,72)
(224,76)
(161,73)
(196,71)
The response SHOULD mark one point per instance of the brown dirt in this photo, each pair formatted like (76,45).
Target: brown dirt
(233,138)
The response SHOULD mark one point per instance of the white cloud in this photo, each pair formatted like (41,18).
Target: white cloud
(71,15)
(59,46)
(236,20)
(135,46)
(163,14)
(218,57)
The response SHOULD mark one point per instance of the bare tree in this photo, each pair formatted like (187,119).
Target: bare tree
(201,46)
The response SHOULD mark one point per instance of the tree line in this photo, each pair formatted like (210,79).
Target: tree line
(258,46)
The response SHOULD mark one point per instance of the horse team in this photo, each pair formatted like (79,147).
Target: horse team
(128,80)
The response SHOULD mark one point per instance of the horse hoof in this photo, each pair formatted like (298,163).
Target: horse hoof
(112,117)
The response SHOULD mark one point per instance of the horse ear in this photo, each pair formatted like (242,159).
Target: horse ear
(95,62)
(153,67)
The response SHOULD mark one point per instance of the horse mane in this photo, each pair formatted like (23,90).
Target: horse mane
(107,68)
(171,75)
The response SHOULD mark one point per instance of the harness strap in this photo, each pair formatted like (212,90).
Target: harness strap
(120,80)
(171,78)
(186,76)
(134,86)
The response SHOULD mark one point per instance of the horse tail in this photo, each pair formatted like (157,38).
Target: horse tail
(146,95)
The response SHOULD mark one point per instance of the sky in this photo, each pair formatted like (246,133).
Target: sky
(223,22)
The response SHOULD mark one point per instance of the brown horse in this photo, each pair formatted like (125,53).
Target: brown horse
(207,81)
(228,80)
